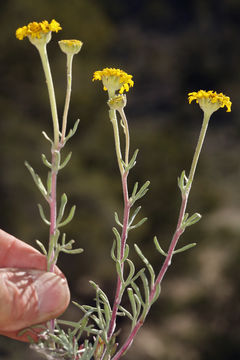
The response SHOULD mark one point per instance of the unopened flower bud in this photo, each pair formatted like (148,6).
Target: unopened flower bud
(70,46)
(117,102)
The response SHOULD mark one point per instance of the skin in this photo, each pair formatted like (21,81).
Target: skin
(28,294)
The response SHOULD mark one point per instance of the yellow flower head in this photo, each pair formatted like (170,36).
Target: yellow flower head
(210,101)
(37,30)
(70,46)
(113,80)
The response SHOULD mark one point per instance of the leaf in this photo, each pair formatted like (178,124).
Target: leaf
(65,162)
(147,263)
(118,240)
(46,162)
(117,219)
(62,208)
(132,162)
(125,312)
(131,273)
(143,190)
(37,180)
(134,191)
(134,215)
(193,219)
(113,250)
(72,251)
(72,131)
(43,217)
(184,248)
(69,218)
(138,224)
(158,247)
(126,253)
(47,137)
(119,270)
(42,247)
(182,181)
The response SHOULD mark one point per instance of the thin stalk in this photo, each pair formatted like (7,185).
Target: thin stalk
(68,95)
(53,198)
(118,293)
(201,138)
(53,211)
(126,211)
(126,132)
(113,118)
(178,232)
(47,71)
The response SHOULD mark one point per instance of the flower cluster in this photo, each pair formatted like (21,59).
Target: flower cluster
(37,30)
(209,100)
(113,80)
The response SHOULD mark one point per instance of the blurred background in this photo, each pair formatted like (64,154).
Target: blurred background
(171,48)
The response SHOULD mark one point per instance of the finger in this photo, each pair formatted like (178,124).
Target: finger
(17,254)
(30,297)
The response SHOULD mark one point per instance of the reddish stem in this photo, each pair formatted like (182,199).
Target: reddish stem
(160,276)
(118,295)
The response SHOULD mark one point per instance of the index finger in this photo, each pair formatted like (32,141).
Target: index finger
(17,254)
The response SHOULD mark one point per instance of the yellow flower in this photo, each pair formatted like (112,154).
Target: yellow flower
(37,30)
(113,80)
(70,46)
(210,101)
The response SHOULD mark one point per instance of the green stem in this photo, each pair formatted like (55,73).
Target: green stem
(201,138)
(126,132)
(113,118)
(68,95)
(45,63)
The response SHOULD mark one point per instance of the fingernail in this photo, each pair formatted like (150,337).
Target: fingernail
(53,295)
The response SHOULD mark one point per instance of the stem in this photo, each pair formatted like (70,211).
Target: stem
(68,95)
(129,341)
(47,71)
(201,138)
(126,212)
(113,118)
(53,209)
(126,132)
(178,232)
(118,293)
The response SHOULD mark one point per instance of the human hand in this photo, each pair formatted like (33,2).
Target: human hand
(28,294)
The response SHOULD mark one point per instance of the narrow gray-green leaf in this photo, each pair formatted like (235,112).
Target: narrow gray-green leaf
(62,208)
(45,161)
(158,247)
(65,162)
(42,247)
(72,131)
(134,215)
(132,162)
(119,270)
(113,250)
(47,137)
(69,218)
(72,251)
(117,219)
(147,263)
(131,272)
(43,217)
(125,312)
(184,248)
(141,222)
(118,240)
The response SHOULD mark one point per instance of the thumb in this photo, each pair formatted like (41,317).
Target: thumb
(30,297)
